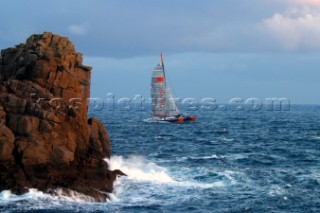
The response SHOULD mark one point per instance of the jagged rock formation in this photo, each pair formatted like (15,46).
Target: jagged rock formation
(46,139)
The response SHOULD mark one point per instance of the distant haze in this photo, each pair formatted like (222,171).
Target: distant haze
(220,49)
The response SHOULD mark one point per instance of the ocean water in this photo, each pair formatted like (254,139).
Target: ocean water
(229,161)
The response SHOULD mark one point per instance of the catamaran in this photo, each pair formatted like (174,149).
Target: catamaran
(164,107)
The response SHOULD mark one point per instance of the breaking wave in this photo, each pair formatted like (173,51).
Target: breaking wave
(137,168)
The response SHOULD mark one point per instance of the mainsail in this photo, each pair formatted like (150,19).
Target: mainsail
(163,103)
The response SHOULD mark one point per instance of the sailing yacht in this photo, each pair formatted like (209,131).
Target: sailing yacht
(164,107)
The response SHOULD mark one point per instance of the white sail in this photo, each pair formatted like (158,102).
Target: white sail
(163,103)
(171,105)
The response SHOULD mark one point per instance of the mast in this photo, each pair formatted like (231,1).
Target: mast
(164,82)
(164,73)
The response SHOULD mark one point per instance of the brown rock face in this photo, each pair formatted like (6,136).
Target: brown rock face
(46,139)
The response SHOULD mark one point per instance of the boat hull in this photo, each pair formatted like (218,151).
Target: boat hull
(174,120)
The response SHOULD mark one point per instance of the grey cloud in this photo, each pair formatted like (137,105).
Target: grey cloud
(127,28)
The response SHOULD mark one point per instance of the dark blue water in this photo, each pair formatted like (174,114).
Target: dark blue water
(229,161)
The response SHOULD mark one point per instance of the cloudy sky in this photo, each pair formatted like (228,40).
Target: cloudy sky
(221,49)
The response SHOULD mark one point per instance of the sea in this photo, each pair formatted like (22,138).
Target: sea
(230,160)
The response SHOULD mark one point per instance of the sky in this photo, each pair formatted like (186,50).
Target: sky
(220,49)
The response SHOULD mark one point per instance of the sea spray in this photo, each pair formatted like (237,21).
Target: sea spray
(8,196)
(5,195)
(137,168)
(71,196)
(55,195)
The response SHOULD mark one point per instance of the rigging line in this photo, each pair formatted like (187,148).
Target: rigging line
(164,73)
(171,88)
(170,82)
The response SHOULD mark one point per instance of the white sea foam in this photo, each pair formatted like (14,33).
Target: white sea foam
(214,156)
(113,197)
(137,168)
(230,175)
(57,196)
(140,170)
(5,195)
(144,177)
(227,140)
(200,185)
(146,180)
(71,196)
(276,190)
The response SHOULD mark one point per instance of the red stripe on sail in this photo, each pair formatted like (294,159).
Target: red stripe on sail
(160,80)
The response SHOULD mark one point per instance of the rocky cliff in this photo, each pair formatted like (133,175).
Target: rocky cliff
(46,139)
